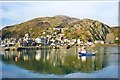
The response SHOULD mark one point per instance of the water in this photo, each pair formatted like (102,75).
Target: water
(60,63)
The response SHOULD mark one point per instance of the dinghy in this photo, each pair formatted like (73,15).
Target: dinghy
(86,54)
(83,52)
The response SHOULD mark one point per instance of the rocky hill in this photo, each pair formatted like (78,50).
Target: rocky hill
(115,30)
(85,29)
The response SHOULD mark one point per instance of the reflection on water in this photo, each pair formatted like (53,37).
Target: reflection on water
(58,61)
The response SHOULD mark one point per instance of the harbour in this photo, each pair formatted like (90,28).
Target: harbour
(60,63)
(59,39)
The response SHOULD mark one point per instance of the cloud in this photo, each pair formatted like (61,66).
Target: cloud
(17,12)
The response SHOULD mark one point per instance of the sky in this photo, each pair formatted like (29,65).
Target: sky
(17,12)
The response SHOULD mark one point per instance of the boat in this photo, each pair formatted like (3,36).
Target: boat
(68,47)
(7,49)
(86,54)
(2,45)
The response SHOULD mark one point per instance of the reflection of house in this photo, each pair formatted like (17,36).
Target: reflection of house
(116,38)
(37,56)
(57,60)
(25,57)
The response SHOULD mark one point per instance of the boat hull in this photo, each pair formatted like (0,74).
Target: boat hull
(86,54)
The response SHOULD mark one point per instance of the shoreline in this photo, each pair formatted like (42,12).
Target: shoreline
(13,48)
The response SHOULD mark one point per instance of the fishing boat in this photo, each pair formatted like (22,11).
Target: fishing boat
(86,54)
(83,52)
(2,45)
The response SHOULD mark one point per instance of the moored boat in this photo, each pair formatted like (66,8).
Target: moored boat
(86,54)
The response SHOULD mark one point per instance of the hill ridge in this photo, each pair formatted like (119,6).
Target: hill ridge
(75,28)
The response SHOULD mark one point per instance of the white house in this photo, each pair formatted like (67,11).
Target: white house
(38,40)
(78,41)
(101,42)
(89,43)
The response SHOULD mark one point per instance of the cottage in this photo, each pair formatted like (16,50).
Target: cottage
(98,41)
(38,40)
(78,41)
(44,41)
(26,37)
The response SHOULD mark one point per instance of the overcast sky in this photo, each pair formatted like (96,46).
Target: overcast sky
(17,12)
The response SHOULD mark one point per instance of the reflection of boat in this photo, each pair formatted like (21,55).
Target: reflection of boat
(83,58)
(40,61)
(56,47)
(86,54)
(7,49)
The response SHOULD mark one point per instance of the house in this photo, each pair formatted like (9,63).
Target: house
(44,41)
(98,41)
(60,37)
(38,40)
(30,42)
(78,41)
(48,36)
(116,38)
(89,43)
(73,41)
(26,37)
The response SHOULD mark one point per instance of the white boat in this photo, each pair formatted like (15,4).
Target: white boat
(2,45)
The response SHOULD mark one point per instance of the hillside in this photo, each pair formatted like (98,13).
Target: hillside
(115,30)
(84,29)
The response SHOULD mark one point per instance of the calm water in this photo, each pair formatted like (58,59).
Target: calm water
(51,63)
